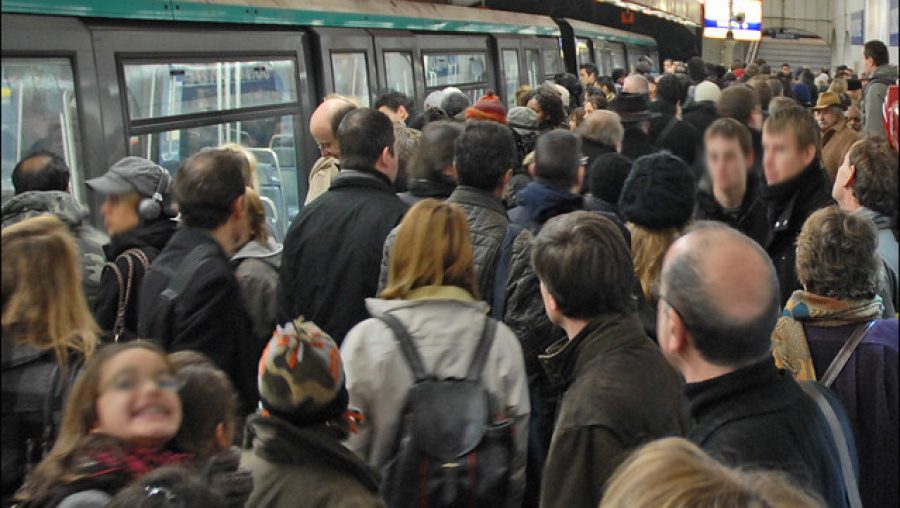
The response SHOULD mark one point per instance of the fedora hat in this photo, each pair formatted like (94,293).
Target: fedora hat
(827,100)
(632,107)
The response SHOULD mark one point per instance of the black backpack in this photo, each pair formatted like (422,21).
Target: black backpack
(160,328)
(449,453)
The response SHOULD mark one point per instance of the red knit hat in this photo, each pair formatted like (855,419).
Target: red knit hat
(488,107)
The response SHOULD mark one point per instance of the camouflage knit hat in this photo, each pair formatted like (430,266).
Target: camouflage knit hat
(301,376)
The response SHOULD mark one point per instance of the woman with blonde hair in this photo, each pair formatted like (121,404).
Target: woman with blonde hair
(657,201)
(676,473)
(256,267)
(431,297)
(48,332)
(249,168)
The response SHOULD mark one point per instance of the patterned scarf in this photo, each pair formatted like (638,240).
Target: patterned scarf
(789,344)
(135,463)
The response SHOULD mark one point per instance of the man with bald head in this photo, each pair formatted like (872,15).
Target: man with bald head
(323,126)
(636,83)
(714,324)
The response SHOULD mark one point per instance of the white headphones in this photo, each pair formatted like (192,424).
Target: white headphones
(151,208)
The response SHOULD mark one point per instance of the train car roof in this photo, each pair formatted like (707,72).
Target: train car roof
(332,13)
(592,31)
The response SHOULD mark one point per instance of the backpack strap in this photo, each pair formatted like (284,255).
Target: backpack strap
(482,350)
(668,128)
(407,346)
(501,273)
(837,365)
(840,440)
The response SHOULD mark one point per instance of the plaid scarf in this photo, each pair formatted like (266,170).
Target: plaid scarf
(789,345)
(136,462)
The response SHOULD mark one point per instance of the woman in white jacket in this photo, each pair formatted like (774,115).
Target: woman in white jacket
(432,291)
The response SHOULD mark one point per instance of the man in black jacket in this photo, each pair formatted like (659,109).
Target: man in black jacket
(209,315)
(714,325)
(617,389)
(559,176)
(731,193)
(332,252)
(796,186)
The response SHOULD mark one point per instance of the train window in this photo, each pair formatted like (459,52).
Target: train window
(39,113)
(399,69)
(533,66)
(443,69)
(271,139)
(583,52)
(158,90)
(351,75)
(511,71)
(551,62)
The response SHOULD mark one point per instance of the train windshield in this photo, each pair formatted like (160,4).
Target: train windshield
(39,113)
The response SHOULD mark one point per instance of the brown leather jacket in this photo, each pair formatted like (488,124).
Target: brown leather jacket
(618,392)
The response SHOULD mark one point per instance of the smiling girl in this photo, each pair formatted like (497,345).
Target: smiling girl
(119,421)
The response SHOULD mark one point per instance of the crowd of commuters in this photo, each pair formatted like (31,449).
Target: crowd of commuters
(674,289)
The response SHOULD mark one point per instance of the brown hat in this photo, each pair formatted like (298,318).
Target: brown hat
(827,100)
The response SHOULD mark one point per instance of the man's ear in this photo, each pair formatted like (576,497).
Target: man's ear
(810,154)
(402,113)
(750,158)
(580,177)
(851,177)
(676,333)
(239,207)
(507,177)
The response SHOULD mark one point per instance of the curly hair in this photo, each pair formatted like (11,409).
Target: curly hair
(836,255)
(551,104)
(875,186)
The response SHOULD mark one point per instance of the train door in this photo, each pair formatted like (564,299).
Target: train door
(397,63)
(583,52)
(49,99)
(461,61)
(551,57)
(511,68)
(617,52)
(165,102)
(348,63)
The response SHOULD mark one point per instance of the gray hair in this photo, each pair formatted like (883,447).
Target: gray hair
(603,127)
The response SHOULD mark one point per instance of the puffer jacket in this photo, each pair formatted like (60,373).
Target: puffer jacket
(67,209)
(256,267)
(27,380)
(445,323)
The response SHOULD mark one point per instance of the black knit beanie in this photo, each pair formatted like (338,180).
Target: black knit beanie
(659,193)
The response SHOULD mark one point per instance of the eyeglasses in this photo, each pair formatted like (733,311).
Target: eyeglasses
(130,382)
(326,145)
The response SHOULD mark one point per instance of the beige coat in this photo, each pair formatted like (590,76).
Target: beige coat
(835,143)
(446,324)
(323,172)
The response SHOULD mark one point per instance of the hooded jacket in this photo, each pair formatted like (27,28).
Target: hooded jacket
(788,205)
(256,266)
(296,467)
(445,323)
(617,392)
(873,99)
(539,202)
(150,239)
(64,206)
